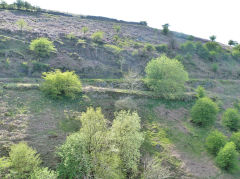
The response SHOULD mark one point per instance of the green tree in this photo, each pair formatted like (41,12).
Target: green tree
(165,29)
(231,119)
(212,38)
(59,84)
(215,141)
(232,43)
(236,139)
(21,23)
(42,47)
(162,48)
(166,76)
(97,37)
(117,28)
(204,112)
(200,92)
(24,160)
(128,138)
(43,173)
(85,30)
(89,152)
(227,157)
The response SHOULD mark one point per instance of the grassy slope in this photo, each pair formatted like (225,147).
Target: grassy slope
(28,115)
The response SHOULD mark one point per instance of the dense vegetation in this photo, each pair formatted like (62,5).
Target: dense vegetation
(59,84)
(166,76)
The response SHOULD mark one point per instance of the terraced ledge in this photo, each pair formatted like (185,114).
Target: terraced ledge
(111,91)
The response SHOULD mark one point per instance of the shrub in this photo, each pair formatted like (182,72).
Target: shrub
(202,51)
(213,46)
(236,139)
(215,67)
(71,36)
(232,43)
(117,28)
(179,57)
(44,173)
(188,47)
(212,38)
(215,141)
(97,37)
(166,76)
(231,119)
(236,51)
(39,67)
(204,112)
(149,47)
(59,84)
(161,48)
(42,47)
(143,23)
(227,157)
(126,103)
(75,161)
(23,159)
(165,29)
(200,92)
(84,30)
(21,23)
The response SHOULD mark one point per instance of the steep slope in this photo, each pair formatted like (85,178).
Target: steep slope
(26,114)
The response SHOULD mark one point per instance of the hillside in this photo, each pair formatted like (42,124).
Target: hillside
(28,115)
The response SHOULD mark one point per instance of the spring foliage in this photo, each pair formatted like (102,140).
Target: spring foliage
(42,47)
(59,84)
(204,112)
(236,139)
(227,157)
(166,76)
(231,119)
(98,152)
(215,141)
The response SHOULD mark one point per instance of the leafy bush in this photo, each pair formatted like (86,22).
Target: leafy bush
(231,119)
(236,51)
(149,47)
(165,29)
(85,30)
(200,92)
(215,141)
(89,152)
(71,36)
(38,66)
(128,138)
(202,51)
(125,104)
(117,28)
(227,157)
(75,161)
(23,159)
(162,48)
(42,47)
(21,23)
(143,23)
(179,57)
(204,112)
(212,38)
(215,67)
(166,76)
(97,37)
(59,84)
(188,47)
(44,173)
(213,46)
(236,139)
